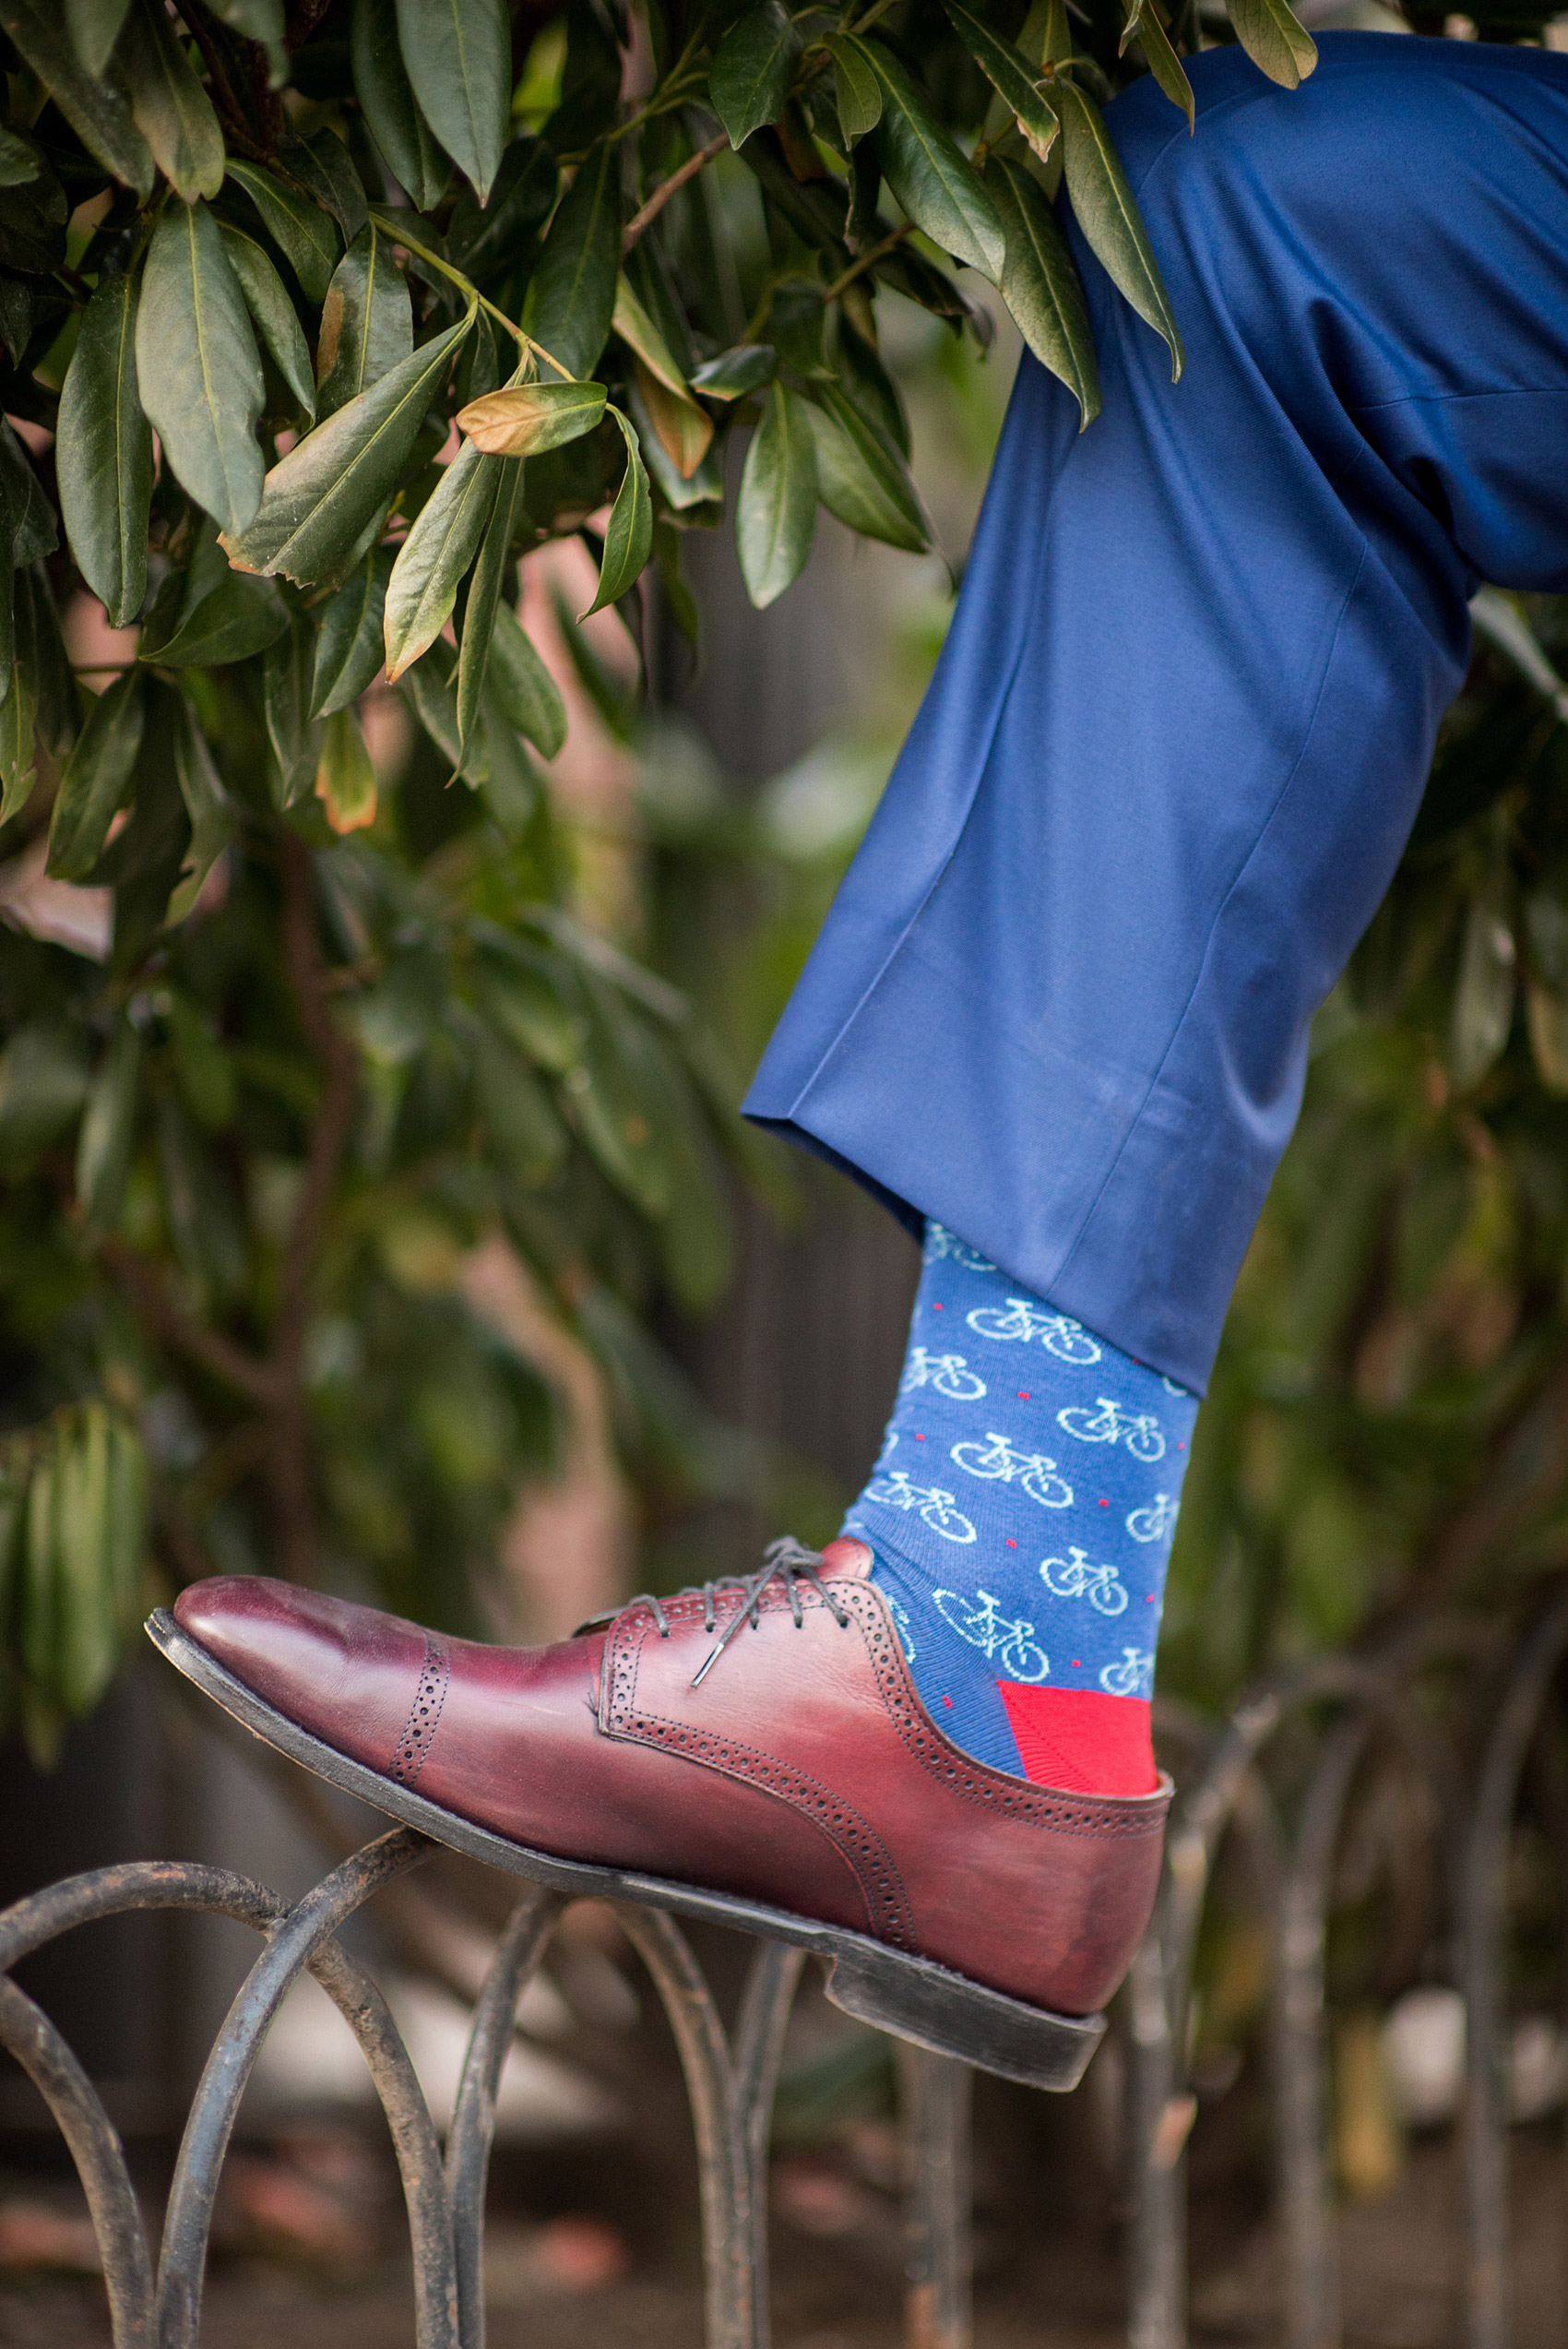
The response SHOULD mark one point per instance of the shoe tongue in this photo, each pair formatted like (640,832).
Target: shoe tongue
(847,1560)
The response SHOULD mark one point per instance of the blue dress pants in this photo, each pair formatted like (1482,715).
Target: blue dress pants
(1181,726)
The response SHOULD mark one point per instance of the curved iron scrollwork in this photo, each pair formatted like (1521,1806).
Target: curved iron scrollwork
(729,2083)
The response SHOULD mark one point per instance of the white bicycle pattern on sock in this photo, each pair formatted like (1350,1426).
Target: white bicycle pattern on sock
(1058,1332)
(1112,1424)
(1073,1577)
(948,1373)
(933,1507)
(1153,1524)
(996,1456)
(939,1242)
(1134,1677)
(1010,1644)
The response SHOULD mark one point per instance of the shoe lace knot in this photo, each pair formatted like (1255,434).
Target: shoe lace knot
(786,1559)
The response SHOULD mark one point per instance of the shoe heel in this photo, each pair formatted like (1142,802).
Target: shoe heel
(915,1999)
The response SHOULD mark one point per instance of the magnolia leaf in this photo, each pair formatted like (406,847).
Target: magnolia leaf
(1040,284)
(527,694)
(207,804)
(94,26)
(434,559)
(103,1144)
(170,109)
(59,713)
(198,366)
(1144,26)
(304,235)
(1276,41)
(407,143)
(103,460)
(19,711)
(524,420)
(1008,75)
(1489,981)
(345,780)
(1106,213)
(457,54)
(737,372)
(293,729)
(628,541)
(98,111)
(572,295)
(367,323)
(929,174)
(320,497)
(754,66)
(267,299)
(484,242)
(485,591)
(236,617)
(348,645)
(429,695)
(26,516)
(322,166)
(861,476)
(18,160)
(684,428)
(856,89)
(95,780)
(776,516)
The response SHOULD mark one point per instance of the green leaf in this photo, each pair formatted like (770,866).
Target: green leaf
(170,107)
(207,804)
(105,461)
(524,1133)
(304,235)
(408,145)
(267,299)
(737,372)
(367,323)
(259,21)
(484,593)
(524,686)
(94,26)
(321,497)
(29,520)
(293,729)
(198,365)
(524,420)
(230,620)
(322,166)
(42,1086)
(345,780)
(932,179)
(684,430)
(572,295)
(1143,25)
(59,702)
(754,66)
(349,645)
(429,695)
(1008,75)
(628,541)
(457,55)
(19,711)
(108,1128)
(98,111)
(861,476)
(1277,43)
(1040,284)
(95,780)
(1489,981)
(433,559)
(776,516)
(1107,211)
(856,89)
(19,162)
(484,242)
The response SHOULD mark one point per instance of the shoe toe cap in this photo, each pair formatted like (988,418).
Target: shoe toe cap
(341,1671)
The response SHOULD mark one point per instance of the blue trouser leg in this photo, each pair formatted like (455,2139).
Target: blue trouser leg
(1181,726)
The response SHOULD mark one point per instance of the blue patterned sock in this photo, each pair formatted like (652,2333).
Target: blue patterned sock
(1021,1516)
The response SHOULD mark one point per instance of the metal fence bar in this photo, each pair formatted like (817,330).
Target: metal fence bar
(935,2102)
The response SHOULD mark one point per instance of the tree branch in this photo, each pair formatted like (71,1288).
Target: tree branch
(667,188)
(209,1349)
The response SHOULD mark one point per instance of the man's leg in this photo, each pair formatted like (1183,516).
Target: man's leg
(1182,723)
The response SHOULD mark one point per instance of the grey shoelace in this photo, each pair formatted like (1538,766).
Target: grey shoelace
(786,1557)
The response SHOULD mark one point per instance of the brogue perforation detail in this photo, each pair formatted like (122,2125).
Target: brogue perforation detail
(424,1714)
(870,1861)
(991,1790)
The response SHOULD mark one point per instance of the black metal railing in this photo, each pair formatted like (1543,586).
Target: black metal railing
(1352,1704)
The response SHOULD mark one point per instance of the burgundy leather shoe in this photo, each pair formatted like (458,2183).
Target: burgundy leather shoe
(754,1753)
